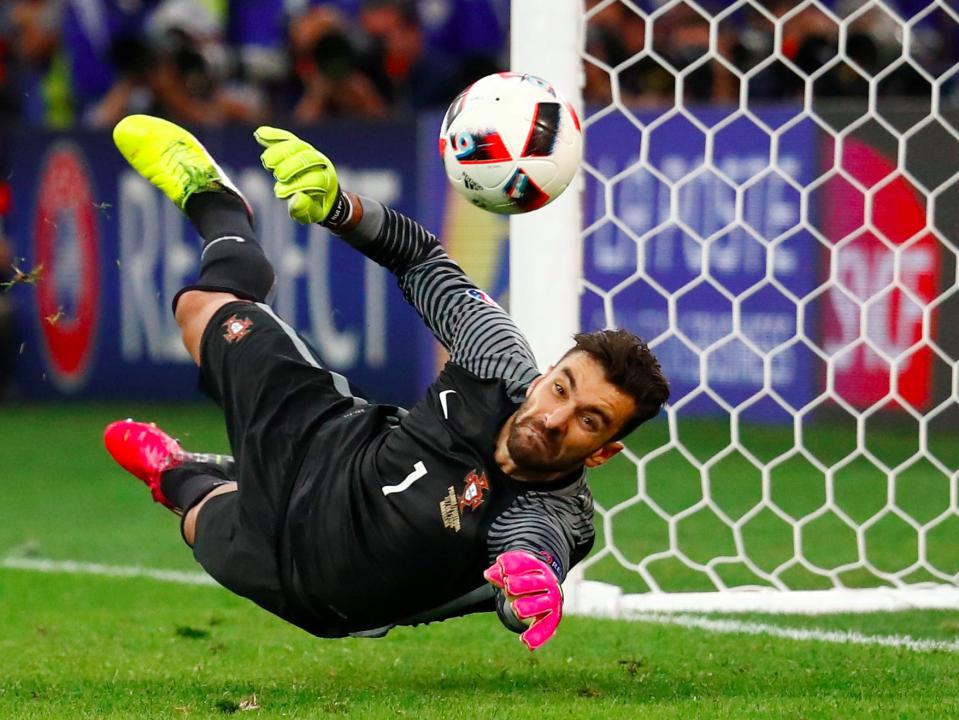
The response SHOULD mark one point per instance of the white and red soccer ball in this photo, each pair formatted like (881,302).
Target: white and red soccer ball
(511,143)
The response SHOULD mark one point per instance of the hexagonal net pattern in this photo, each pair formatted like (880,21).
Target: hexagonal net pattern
(772,203)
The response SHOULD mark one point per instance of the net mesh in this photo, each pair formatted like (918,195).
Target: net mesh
(772,202)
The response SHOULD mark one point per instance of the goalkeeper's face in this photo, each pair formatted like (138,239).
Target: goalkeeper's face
(570,417)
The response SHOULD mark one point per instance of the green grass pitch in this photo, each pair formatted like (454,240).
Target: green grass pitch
(91,646)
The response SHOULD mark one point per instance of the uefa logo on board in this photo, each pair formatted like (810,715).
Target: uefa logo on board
(66,245)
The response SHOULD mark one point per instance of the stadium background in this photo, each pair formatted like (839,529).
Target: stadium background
(115,256)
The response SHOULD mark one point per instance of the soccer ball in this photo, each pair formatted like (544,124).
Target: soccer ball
(510,143)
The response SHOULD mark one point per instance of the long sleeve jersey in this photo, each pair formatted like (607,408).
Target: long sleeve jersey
(396,514)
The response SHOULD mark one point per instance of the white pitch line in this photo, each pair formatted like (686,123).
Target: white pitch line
(84,568)
(798,634)
(687,621)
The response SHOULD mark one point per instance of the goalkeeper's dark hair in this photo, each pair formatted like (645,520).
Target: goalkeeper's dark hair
(628,364)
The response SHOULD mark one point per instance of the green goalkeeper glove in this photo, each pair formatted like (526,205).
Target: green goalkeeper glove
(305,178)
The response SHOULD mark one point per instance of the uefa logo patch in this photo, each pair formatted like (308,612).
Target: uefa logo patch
(66,245)
(481,296)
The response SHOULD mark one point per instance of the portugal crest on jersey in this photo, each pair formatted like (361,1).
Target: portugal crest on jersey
(236,328)
(474,492)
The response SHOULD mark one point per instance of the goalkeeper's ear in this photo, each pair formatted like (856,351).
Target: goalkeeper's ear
(602,455)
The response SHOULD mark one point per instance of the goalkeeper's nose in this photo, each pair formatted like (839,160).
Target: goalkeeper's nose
(556,419)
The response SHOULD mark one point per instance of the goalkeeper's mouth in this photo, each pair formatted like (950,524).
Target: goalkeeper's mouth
(536,442)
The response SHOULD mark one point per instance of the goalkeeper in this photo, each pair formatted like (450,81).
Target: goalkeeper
(347,517)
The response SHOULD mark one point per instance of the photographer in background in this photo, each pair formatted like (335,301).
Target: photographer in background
(332,61)
(191,78)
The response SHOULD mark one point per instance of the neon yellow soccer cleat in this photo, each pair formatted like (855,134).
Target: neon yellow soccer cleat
(170,158)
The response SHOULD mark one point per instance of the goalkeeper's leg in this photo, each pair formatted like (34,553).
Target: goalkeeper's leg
(277,398)
(189,520)
(177,479)
(234,552)
(232,264)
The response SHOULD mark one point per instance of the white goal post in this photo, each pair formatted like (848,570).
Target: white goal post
(546,40)
(770,198)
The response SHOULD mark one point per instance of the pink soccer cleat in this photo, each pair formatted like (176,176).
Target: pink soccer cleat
(145,451)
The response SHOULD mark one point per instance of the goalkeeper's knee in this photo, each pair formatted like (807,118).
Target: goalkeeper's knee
(236,266)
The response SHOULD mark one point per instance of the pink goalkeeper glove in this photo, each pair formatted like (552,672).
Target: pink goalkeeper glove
(532,591)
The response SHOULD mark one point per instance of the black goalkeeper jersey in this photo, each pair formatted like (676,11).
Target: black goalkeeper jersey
(396,514)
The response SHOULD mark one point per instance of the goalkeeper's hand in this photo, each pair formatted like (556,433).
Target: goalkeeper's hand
(305,178)
(532,591)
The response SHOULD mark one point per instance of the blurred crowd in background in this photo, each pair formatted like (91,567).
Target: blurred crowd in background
(89,62)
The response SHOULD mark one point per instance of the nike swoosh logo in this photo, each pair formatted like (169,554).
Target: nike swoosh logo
(225,237)
(443,395)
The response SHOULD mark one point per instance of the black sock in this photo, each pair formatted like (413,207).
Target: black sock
(232,260)
(186,484)
(215,214)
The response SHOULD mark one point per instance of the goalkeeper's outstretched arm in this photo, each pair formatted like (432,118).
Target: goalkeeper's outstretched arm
(479,334)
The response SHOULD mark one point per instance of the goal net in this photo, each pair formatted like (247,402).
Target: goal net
(771,200)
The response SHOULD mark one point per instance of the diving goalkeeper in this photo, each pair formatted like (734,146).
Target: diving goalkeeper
(348,517)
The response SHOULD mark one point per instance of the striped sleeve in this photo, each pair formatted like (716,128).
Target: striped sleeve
(557,527)
(480,336)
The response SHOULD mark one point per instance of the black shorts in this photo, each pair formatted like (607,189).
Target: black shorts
(275,396)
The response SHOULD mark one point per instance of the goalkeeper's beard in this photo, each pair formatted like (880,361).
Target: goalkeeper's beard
(535,448)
